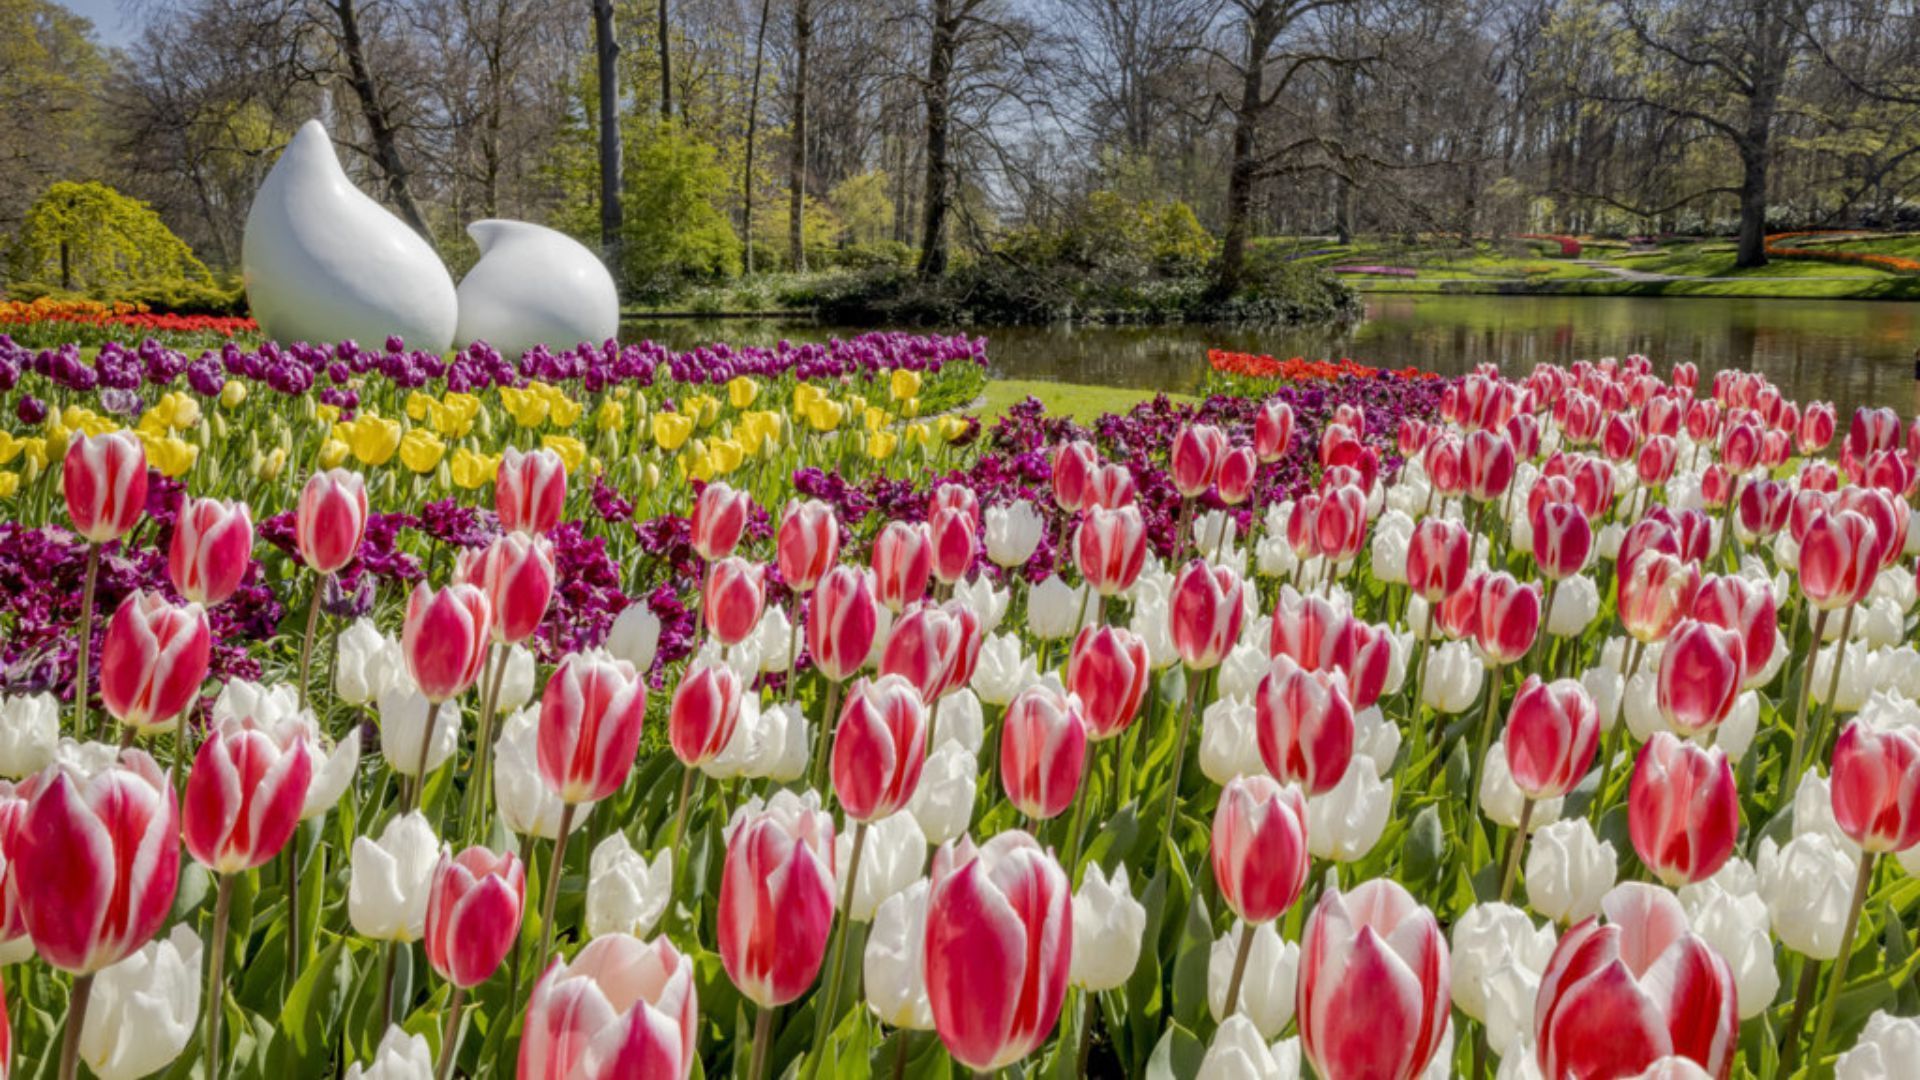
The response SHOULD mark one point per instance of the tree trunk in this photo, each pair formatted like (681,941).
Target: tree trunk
(1230,270)
(1756,148)
(753,128)
(666,66)
(386,146)
(606,49)
(797,156)
(933,231)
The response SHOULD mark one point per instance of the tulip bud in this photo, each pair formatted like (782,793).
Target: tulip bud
(530,491)
(808,543)
(842,620)
(1272,430)
(1374,984)
(1876,787)
(776,899)
(894,966)
(705,710)
(1304,725)
(719,517)
(1700,672)
(153,660)
(1839,558)
(144,1010)
(954,536)
(104,480)
(1111,487)
(1509,618)
(1437,559)
(1562,540)
(211,550)
(330,519)
(620,1007)
(1656,591)
(1259,849)
(1108,669)
(516,572)
(1487,461)
(246,793)
(879,747)
(734,596)
(1043,749)
(1110,548)
(1194,463)
(473,913)
(1269,980)
(1073,465)
(590,718)
(1238,470)
(445,638)
(1205,612)
(1683,811)
(902,563)
(1552,732)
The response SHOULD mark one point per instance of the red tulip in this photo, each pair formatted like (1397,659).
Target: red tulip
(1488,462)
(1876,787)
(1685,376)
(808,543)
(1553,730)
(1888,514)
(1819,476)
(999,944)
(704,712)
(1776,449)
(1618,439)
(516,572)
(879,747)
(1259,848)
(923,647)
(1562,540)
(212,549)
(445,638)
(1437,558)
(1373,993)
(1661,416)
(902,563)
(1195,460)
(1716,486)
(1043,749)
(719,518)
(1683,811)
(1692,532)
(330,519)
(1111,487)
(1509,618)
(1703,421)
(590,719)
(1303,535)
(1308,629)
(1523,433)
(1620,995)
(1458,616)
(1205,609)
(104,479)
(1746,608)
(735,595)
(1446,470)
(153,659)
(1839,558)
(530,491)
(1657,459)
(95,860)
(1816,427)
(1272,430)
(1238,468)
(842,619)
(1340,522)
(1763,507)
(1871,429)
(1580,421)
(1073,466)
(1304,724)
(1108,668)
(621,1007)
(1110,548)
(245,793)
(954,497)
(1740,446)
(955,538)
(1365,657)
(1656,591)
(776,901)
(1700,673)
(474,905)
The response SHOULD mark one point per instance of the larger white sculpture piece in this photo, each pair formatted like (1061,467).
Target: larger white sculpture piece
(534,286)
(324,262)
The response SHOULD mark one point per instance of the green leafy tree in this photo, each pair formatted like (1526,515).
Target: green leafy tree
(864,207)
(91,238)
(676,225)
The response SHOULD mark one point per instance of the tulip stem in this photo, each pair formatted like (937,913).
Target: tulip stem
(680,812)
(386,985)
(1797,1020)
(293,908)
(1194,679)
(86,646)
(1838,978)
(474,812)
(1630,654)
(306,643)
(836,968)
(1240,956)
(553,885)
(823,743)
(216,986)
(1494,686)
(449,1040)
(1514,848)
(76,1017)
(1421,648)
(417,795)
(1078,830)
(1791,780)
(1089,1014)
(1820,726)
(762,1043)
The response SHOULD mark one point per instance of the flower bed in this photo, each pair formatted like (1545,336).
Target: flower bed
(1893,264)
(740,727)
(49,322)
(1570,246)
(1297,369)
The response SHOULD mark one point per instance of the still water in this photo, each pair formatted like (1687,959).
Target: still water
(1847,351)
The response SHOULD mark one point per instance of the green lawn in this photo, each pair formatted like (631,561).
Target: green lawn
(1082,403)
(1717,260)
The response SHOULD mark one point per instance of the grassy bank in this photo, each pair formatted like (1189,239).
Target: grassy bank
(1758,286)
(1081,403)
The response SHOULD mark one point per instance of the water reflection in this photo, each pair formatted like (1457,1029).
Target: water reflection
(1849,352)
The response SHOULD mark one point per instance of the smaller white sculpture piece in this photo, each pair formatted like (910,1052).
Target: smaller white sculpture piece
(324,262)
(534,286)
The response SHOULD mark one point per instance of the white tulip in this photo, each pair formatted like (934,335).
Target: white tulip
(1576,602)
(1856,675)
(1487,938)
(265,705)
(1813,812)
(29,731)
(1273,557)
(773,638)
(1153,624)
(1728,911)
(400,1056)
(1214,529)
(366,663)
(890,861)
(626,894)
(527,806)
(1880,624)
(1239,1053)
(1343,824)
(1606,542)
(1501,799)
(403,723)
(388,879)
(1013,532)
(1735,733)
(1376,739)
(1229,741)
(144,1009)
(1568,870)
(750,748)
(958,717)
(1808,888)
(1108,924)
(1391,538)
(1003,669)
(635,636)
(795,741)
(1889,1048)
(943,803)
(1244,666)
(1641,705)
(1885,711)
(895,962)
(333,770)
(1452,679)
(1520,1062)
(1267,984)
(1896,583)
(1055,610)
(986,602)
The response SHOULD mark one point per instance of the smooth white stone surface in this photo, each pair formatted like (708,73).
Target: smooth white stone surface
(534,286)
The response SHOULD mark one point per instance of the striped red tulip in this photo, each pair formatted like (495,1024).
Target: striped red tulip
(245,794)
(1701,669)
(1111,487)
(1272,430)
(1618,438)
(1656,591)
(1259,848)
(1437,558)
(733,599)
(530,491)
(1562,540)
(474,906)
(1043,750)
(842,619)
(1683,810)
(211,549)
(153,660)
(879,747)
(1553,730)
(1764,505)
(1655,463)
(1340,522)
(1870,430)
(1509,618)
(719,519)
(1309,629)
(1488,463)
(1887,512)
(591,714)
(808,543)
(1238,469)
(954,497)
(1110,548)
(445,638)
(1875,787)
(1205,609)
(954,536)
(923,647)
(517,574)
(1444,464)
(1839,558)
(1304,724)
(776,900)
(1108,668)
(104,480)
(703,714)
(1194,464)
(1073,465)
(1816,429)
(330,520)
(1373,993)
(902,564)
(1747,608)
(620,1007)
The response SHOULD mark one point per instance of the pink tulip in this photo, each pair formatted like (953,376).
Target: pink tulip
(1195,461)
(1437,559)
(1110,548)
(621,1007)
(1816,427)
(1619,995)
(331,518)
(517,574)
(1656,591)
(902,563)
(1701,669)
(1238,469)
(1073,465)
(1302,534)
(1340,523)
(1259,848)
(954,497)
(1740,446)
(1553,730)
(922,649)
(735,595)
(1108,669)
(1304,724)
(1745,607)
(530,491)
(13,810)
(211,550)
(1656,462)
(1683,811)
(999,944)
(1043,749)
(1523,433)
(1562,540)
(704,712)
(474,905)
(879,747)
(1661,416)
(1111,487)
(1458,615)
(104,479)
(719,518)
(1488,462)
(776,901)
(1365,657)
(1618,439)
(1871,429)
(153,659)
(1412,439)
(1446,470)
(1839,558)
(1309,629)
(1876,787)
(955,537)
(1509,618)
(808,543)
(1373,992)
(1205,609)
(1888,514)
(245,794)
(95,860)
(842,619)
(445,638)
(1764,505)
(589,730)
(1703,421)
(1272,430)
(1716,486)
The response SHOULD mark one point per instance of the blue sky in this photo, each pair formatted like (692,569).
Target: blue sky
(115,22)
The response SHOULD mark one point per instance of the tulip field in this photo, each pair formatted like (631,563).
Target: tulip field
(760,713)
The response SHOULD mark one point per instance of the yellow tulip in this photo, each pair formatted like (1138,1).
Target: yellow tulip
(421,450)
(418,405)
(881,445)
(327,414)
(952,427)
(271,464)
(373,439)
(571,450)
(172,456)
(756,429)
(804,395)
(904,384)
(910,408)
(825,415)
(10,447)
(876,418)
(9,484)
(741,390)
(856,403)
(697,463)
(704,409)
(610,416)
(232,393)
(453,417)
(37,456)
(332,453)
(920,436)
(726,455)
(670,430)
(564,411)
(472,471)
(527,407)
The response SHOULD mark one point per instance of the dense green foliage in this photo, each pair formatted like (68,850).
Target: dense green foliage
(90,238)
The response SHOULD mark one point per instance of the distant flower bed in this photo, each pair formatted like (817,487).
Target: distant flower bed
(48,322)
(1569,245)
(1298,369)
(1894,264)
(1378,271)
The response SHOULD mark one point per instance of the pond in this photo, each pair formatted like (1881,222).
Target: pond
(1850,352)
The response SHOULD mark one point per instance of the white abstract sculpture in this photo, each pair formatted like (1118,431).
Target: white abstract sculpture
(534,286)
(324,262)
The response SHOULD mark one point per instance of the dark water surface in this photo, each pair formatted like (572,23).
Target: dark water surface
(1848,351)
